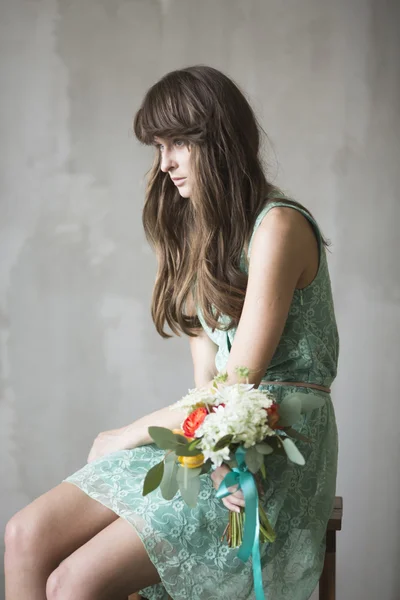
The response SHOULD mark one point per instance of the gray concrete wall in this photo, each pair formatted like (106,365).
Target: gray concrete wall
(79,353)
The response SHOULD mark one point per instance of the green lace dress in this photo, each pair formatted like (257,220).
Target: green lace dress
(185,544)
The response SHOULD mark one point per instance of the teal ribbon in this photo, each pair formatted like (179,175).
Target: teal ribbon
(241,476)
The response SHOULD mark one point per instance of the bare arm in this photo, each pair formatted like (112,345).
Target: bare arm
(136,433)
(278,259)
(203,352)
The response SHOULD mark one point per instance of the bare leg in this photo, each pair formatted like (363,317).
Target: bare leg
(110,566)
(44,533)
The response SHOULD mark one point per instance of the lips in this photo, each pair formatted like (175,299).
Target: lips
(179,181)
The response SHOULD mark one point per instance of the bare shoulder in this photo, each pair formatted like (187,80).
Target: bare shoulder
(285,233)
(282,220)
(282,230)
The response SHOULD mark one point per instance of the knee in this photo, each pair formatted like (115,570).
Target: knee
(57,584)
(20,536)
(64,585)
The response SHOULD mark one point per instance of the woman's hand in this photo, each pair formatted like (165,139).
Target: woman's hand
(233,501)
(107,442)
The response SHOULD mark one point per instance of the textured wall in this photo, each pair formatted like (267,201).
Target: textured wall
(78,350)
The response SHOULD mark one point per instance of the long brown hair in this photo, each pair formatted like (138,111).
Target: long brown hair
(199,241)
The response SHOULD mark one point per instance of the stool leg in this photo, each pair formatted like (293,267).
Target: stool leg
(327,582)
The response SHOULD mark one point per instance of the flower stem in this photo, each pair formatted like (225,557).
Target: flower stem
(234,532)
(225,532)
(241,519)
(265,525)
(235,527)
(230,529)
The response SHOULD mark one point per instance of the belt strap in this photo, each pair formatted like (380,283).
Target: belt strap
(297,384)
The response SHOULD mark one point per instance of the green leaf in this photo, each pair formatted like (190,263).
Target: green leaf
(191,493)
(167,440)
(253,459)
(170,457)
(164,438)
(311,402)
(263,471)
(169,485)
(278,449)
(194,443)
(184,471)
(184,450)
(289,410)
(153,478)
(180,438)
(205,467)
(223,442)
(293,452)
(189,484)
(264,448)
(295,434)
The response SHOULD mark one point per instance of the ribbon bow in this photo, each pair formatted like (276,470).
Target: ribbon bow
(242,477)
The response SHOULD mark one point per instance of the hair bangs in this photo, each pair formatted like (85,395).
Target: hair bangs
(167,112)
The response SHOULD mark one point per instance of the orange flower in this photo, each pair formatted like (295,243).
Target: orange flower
(194,420)
(192,462)
(273,415)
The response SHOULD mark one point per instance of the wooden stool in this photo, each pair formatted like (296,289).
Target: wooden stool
(327,582)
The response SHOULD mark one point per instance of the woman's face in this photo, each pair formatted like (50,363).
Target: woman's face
(175,160)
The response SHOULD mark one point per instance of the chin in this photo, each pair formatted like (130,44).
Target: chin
(184,192)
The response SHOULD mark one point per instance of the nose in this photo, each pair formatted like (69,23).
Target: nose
(168,161)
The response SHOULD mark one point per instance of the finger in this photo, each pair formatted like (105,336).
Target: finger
(231,506)
(233,489)
(236,493)
(237,501)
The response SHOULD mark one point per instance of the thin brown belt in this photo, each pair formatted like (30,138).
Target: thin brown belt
(297,383)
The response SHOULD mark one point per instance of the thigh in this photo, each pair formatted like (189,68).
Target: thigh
(112,564)
(58,522)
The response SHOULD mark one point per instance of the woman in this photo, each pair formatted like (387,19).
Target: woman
(242,271)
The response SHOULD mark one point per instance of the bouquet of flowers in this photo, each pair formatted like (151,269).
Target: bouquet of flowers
(238,425)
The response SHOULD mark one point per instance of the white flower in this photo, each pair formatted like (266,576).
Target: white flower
(243,416)
(238,410)
(218,456)
(229,392)
(204,395)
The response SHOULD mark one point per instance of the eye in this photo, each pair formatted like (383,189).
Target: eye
(179,143)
